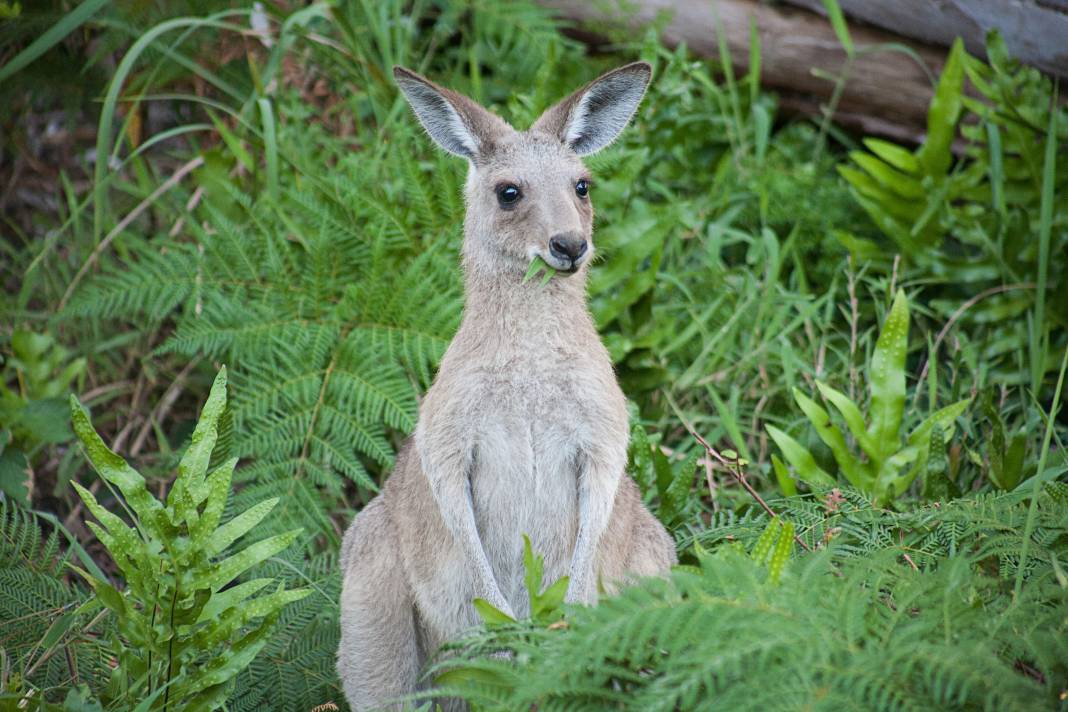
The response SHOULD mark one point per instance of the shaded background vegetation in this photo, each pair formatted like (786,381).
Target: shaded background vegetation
(193,184)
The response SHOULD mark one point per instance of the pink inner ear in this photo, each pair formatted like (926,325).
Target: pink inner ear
(595,115)
(456,123)
(604,110)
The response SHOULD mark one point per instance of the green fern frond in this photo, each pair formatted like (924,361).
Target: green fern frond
(35,596)
(877,635)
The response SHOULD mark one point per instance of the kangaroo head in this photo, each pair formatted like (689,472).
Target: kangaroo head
(528,192)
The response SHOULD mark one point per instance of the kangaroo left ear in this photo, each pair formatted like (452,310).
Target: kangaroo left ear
(596,114)
(457,124)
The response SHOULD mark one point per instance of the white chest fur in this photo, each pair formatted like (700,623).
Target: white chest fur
(524,479)
(525,396)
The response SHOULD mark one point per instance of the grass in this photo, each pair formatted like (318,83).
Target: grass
(287,217)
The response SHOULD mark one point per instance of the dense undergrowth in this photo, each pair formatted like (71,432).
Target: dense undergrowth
(870,336)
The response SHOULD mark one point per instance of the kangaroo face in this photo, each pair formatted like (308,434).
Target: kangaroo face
(530,197)
(528,193)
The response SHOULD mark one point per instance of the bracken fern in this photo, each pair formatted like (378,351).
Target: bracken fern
(846,627)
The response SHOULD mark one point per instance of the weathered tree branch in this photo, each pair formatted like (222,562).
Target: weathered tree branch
(890,81)
(1035,31)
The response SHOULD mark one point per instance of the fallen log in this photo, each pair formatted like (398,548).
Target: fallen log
(1035,31)
(887,90)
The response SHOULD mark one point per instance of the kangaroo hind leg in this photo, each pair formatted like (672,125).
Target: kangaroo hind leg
(379,657)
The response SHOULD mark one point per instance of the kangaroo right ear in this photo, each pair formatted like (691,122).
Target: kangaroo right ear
(456,123)
(596,114)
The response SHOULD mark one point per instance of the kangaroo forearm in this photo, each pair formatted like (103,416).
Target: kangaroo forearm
(451,489)
(597,488)
(465,532)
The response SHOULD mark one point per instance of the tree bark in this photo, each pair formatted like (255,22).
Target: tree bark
(890,81)
(1035,31)
(886,91)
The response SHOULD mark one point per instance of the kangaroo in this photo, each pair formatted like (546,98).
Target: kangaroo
(525,428)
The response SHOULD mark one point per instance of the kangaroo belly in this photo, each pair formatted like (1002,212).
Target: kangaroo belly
(524,481)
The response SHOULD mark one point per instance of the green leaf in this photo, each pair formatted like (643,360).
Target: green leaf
(895,155)
(79,699)
(996,447)
(767,538)
(547,604)
(15,476)
(218,486)
(677,494)
(636,248)
(57,630)
(887,379)
(936,156)
(1013,462)
(220,602)
(664,474)
(937,484)
(30,346)
(943,416)
(543,605)
(45,420)
(270,144)
(115,470)
(841,30)
(194,462)
(261,607)
(902,185)
(784,549)
(491,675)
(104,591)
(782,475)
(538,265)
(833,439)
(52,36)
(533,566)
(850,413)
(232,567)
(222,668)
(490,613)
(801,460)
(641,457)
(233,143)
(237,527)
(125,546)
(146,704)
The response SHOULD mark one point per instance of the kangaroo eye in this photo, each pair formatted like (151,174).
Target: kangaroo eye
(582,188)
(508,194)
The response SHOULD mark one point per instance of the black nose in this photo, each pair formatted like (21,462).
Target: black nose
(566,247)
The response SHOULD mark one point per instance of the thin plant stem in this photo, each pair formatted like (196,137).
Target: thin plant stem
(735,471)
(854,319)
(1029,526)
(960,312)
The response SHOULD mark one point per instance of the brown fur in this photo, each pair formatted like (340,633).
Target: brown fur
(525,429)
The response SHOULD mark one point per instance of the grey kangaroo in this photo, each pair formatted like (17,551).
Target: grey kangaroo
(525,429)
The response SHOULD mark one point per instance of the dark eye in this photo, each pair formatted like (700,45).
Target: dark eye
(508,194)
(582,188)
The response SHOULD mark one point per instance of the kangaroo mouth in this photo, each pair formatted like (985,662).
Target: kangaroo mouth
(564,267)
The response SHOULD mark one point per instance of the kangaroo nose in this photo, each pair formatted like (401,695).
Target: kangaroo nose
(565,247)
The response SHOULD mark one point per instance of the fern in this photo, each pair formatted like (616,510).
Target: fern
(36,599)
(296,670)
(333,302)
(837,631)
(334,312)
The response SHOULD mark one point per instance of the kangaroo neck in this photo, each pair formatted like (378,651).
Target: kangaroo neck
(504,309)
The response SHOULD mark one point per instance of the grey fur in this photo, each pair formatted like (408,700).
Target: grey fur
(524,430)
(596,114)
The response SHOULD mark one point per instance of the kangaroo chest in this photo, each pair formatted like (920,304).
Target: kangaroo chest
(530,436)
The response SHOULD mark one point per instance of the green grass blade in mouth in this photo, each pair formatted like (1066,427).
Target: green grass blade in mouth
(537,266)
